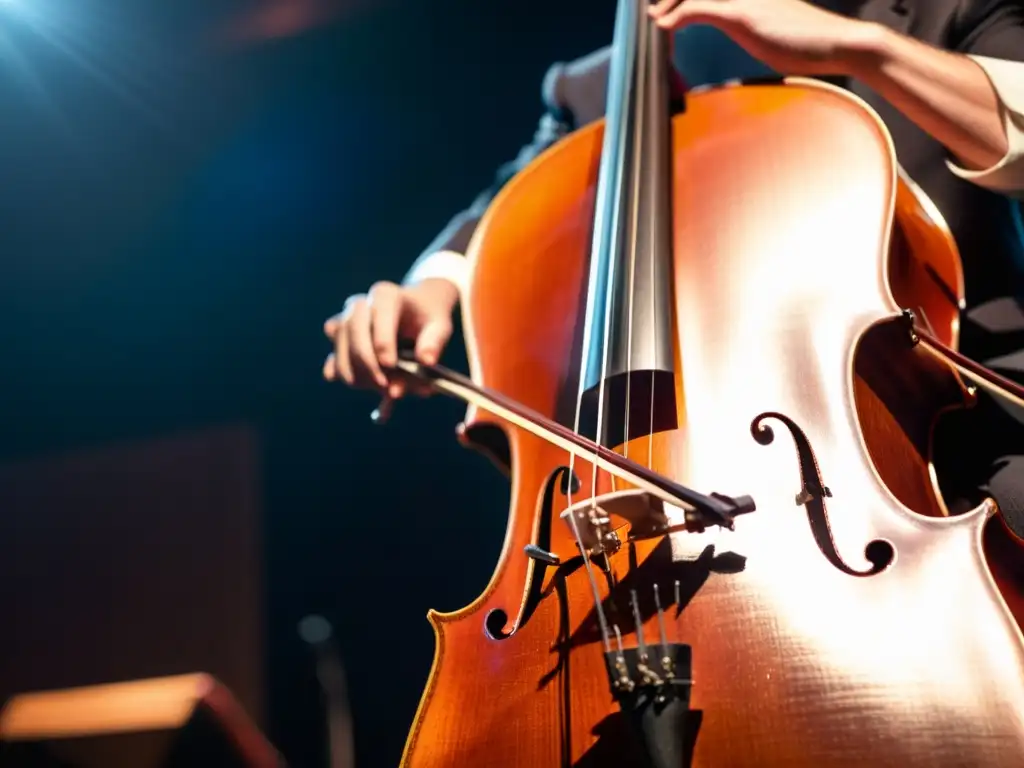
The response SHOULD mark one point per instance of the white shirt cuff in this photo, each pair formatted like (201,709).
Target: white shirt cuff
(1007,176)
(443,265)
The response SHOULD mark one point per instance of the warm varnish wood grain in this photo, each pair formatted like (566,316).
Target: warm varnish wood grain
(784,202)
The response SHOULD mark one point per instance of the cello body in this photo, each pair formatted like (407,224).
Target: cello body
(796,245)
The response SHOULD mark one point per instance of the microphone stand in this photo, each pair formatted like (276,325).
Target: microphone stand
(318,634)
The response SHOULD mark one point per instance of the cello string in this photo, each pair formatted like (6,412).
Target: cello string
(627,88)
(638,144)
(652,224)
(628,91)
(622,29)
(639,113)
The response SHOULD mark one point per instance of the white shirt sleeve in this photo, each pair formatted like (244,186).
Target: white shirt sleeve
(445,265)
(1006,176)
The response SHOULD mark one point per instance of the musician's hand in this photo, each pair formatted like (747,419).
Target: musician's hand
(790,36)
(367,331)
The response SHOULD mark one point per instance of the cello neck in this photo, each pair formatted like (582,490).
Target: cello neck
(627,344)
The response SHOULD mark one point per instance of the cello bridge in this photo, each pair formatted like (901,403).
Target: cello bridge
(644,516)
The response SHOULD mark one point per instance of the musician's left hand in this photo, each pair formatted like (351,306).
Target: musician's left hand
(790,36)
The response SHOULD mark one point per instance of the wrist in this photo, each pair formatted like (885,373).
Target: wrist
(440,291)
(864,48)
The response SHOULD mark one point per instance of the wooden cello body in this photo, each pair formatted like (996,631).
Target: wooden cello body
(848,621)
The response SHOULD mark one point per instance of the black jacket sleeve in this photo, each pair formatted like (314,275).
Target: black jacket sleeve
(555,122)
(993,28)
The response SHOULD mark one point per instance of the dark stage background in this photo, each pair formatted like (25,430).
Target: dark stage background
(189,188)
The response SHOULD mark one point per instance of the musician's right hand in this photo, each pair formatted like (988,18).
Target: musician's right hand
(367,331)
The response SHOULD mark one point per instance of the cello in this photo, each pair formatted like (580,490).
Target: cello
(708,345)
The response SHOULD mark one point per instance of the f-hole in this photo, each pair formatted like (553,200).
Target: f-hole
(812,495)
(496,619)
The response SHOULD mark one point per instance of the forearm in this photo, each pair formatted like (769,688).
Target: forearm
(948,95)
